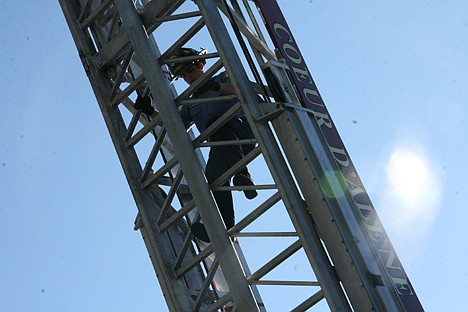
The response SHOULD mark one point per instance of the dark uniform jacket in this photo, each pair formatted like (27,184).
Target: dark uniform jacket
(204,114)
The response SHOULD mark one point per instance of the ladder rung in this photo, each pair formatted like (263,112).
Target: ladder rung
(226,143)
(245,188)
(242,224)
(132,125)
(164,180)
(273,263)
(120,96)
(271,112)
(220,303)
(176,216)
(154,153)
(175,183)
(114,25)
(266,234)
(209,73)
(236,168)
(253,39)
(158,174)
(309,302)
(113,51)
(95,14)
(205,288)
(144,131)
(176,17)
(183,39)
(121,74)
(230,113)
(154,11)
(194,261)
(85,10)
(182,253)
(286,283)
(203,101)
(185,59)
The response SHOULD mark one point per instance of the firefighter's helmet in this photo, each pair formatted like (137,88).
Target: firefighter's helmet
(178,68)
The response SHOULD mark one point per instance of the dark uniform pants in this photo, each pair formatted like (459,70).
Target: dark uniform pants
(222,158)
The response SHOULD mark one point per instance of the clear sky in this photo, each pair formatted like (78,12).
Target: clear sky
(394,76)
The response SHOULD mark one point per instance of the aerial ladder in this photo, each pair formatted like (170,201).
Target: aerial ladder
(327,219)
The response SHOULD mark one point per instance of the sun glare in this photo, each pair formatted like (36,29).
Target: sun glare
(411,200)
(408,175)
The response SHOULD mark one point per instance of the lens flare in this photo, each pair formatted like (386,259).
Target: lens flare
(408,177)
(411,198)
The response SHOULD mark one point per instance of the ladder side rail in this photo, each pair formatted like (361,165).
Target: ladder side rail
(235,277)
(297,143)
(329,224)
(162,10)
(377,256)
(296,207)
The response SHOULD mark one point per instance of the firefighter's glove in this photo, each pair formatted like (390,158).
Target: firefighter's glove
(210,85)
(144,104)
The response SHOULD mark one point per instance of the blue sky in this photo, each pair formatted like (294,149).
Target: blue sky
(393,76)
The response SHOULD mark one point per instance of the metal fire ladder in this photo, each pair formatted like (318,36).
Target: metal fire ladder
(311,206)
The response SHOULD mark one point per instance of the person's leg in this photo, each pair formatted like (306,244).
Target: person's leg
(243,178)
(220,159)
(242,130)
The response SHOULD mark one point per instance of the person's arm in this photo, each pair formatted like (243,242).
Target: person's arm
(220,84)
(226,88)
(186,117)
(145,105)
(225,85)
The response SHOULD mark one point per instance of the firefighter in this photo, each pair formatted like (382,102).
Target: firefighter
(221,158)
